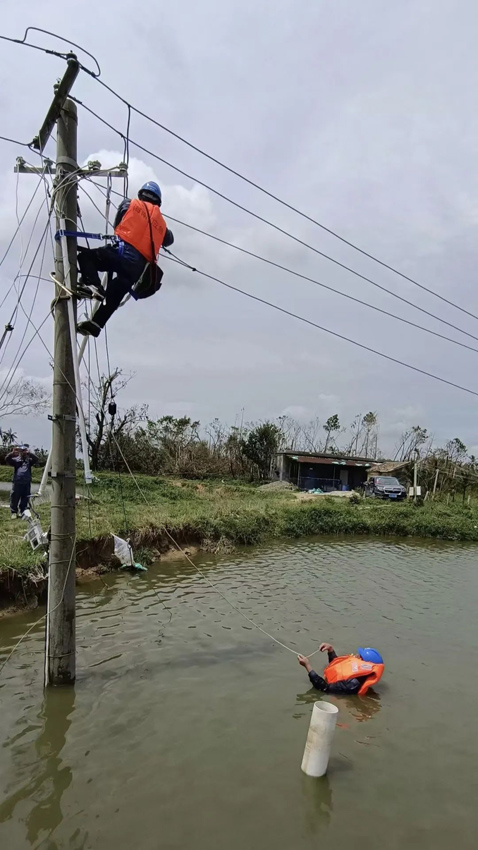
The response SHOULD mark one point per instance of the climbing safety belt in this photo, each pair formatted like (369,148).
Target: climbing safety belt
(83,235)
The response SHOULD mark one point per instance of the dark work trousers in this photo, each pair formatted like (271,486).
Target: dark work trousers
(128,267)
(19,496)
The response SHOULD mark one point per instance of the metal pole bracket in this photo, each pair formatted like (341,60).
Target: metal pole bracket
(56,416)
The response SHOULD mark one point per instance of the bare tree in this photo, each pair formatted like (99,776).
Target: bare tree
(356,428)
(370,424)
(24,397)
(413,439)
(216,433)
(290,432)
(108,429)
(311,435)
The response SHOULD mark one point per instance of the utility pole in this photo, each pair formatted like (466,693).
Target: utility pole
(60,645)
(60,663)
(415,475)
(60,649)
(435,483)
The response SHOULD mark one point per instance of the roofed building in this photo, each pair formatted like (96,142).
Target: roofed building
(327,472)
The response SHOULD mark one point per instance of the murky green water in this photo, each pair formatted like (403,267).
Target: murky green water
(190,733)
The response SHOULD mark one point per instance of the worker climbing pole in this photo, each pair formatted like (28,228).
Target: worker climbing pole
(140,232)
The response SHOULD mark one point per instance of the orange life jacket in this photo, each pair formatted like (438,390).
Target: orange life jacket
(143,227)
(350,667)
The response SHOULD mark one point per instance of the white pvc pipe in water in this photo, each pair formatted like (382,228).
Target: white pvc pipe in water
(319,739)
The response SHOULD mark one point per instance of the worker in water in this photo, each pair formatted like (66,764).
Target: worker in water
(22,460)
(141,231)
(346,674)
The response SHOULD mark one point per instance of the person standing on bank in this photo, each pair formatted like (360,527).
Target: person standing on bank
(22,460)
(141,231)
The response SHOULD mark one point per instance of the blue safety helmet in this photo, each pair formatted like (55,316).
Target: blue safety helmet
(153,189)
(368,654)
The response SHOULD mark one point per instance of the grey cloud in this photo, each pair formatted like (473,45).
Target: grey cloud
(357,113)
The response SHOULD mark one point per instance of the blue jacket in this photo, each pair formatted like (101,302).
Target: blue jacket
(22,467)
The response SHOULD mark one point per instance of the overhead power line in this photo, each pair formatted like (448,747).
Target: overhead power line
(96,76)
(281,201)
(274,226)
(23,41)
(45,230)
(322,328)
(323,285)
(12,240)
(14,141)
(18,356)
(128,141)
(287,312)
(299,275)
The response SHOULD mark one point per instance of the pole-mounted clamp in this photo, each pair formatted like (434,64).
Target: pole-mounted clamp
(62,475)
(67,160)
(66,416)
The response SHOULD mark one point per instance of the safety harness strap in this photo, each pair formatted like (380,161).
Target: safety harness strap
(82,234)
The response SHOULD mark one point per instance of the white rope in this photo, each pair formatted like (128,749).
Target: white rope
(203,576)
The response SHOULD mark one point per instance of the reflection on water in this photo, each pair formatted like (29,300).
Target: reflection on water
(317,803)
(363,708)
(47,775)
(359,708)
(186,727)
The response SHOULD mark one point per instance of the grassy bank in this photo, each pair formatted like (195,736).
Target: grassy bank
(209,513)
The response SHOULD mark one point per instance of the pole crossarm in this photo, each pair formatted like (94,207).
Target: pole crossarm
(92,169)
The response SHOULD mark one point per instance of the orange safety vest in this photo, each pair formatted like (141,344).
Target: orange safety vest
(143,227)
(347,667)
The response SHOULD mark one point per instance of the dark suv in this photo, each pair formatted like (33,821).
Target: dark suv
(385,487)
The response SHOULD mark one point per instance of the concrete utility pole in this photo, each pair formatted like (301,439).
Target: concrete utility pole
(60,662)
(60,648)
(415,475)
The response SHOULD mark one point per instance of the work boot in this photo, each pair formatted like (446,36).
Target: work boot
(83,291)
(91,290)
(13,516)
(88,328)
(98,292)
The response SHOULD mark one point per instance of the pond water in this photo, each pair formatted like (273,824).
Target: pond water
(186,726)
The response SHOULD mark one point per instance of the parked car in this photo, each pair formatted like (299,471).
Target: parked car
(385,487)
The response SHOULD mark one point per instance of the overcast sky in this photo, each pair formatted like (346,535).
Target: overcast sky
(361,114)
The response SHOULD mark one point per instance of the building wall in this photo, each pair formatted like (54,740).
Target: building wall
(327,476)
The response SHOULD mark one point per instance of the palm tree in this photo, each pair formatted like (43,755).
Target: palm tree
(9,437)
